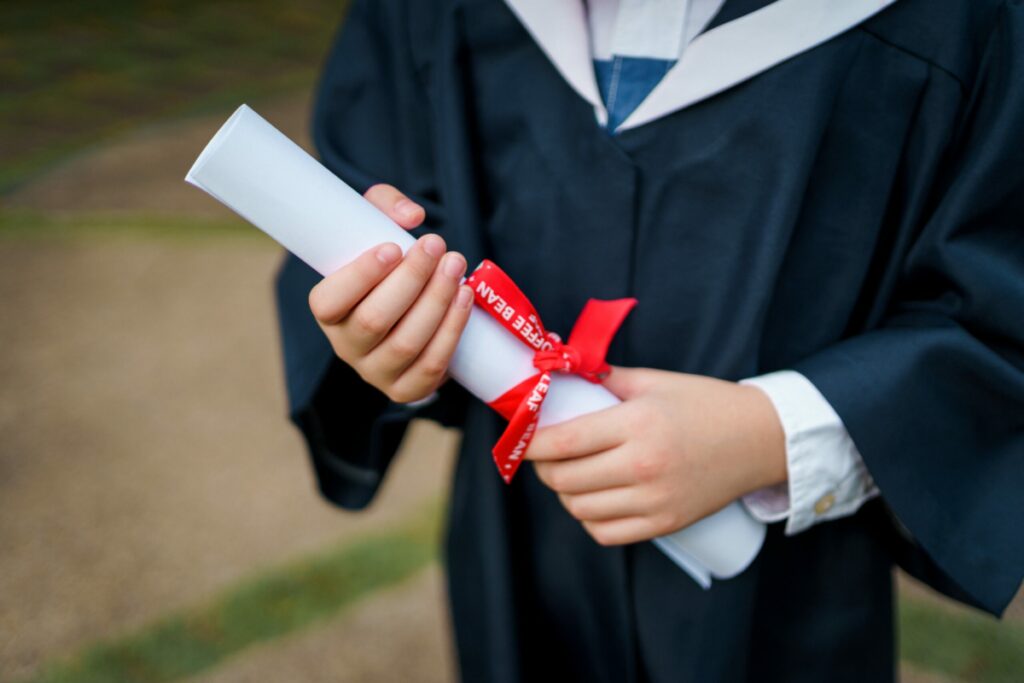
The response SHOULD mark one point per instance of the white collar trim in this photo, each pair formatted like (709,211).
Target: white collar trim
(559,27)
(715,61)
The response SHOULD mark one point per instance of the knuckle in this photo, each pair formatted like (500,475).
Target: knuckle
(553,478)
(540,468)
(369,377)
(318,304)
(369,322)
(343,355)
(403,348)
(647,466)
(564,441)
(667,522)
(399,394)
(601,535)
(558,478)
(433,368)
(578,508)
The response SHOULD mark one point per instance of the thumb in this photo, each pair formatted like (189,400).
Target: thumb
(626,382)
(396,205)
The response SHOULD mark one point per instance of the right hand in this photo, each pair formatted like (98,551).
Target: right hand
(396,321)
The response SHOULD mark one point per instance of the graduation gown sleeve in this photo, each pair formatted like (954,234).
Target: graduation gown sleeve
(369,126)
(934,397)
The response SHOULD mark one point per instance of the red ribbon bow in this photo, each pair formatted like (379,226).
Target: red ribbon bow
(583,355)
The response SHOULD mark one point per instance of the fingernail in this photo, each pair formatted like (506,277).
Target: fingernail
(464,298)
(407,208)
(454,265)
(388,253)
(433,245)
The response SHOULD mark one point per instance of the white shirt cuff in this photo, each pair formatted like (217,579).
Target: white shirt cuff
(425,401)
(827,477)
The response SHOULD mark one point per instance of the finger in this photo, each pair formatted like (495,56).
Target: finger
(333,297)
(627,383)
(622,531)
(414,330)
(374,316)
(580,436)
(624,501)
(597,472)
(430,369)
(396,205)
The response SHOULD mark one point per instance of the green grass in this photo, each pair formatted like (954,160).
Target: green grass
(36,225)
(268,606)
(960,644)
(74,73)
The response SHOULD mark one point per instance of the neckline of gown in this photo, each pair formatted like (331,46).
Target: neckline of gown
(743,39)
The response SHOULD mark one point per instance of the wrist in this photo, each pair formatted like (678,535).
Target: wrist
(766,440)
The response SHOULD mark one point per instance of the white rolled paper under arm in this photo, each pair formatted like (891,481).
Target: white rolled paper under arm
(274,184)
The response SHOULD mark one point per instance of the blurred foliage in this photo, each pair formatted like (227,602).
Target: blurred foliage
(265,607)
(74,72)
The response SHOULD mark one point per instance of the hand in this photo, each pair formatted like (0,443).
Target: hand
(396,320)
(678,448)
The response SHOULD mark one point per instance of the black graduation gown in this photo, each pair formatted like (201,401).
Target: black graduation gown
(853,213)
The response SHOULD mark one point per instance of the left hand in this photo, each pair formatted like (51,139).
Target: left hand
(678,448)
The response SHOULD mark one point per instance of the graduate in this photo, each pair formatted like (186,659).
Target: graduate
(820,209)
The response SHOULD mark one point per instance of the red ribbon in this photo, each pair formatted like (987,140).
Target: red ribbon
(583,355)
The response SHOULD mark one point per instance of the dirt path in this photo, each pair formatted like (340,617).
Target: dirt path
(145,458)
(146,461)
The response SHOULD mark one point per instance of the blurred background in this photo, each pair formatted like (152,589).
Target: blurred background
(158,518)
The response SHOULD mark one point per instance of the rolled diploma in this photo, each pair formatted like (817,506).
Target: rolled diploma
(274,184)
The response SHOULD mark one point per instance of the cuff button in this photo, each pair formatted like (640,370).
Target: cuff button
(824,504)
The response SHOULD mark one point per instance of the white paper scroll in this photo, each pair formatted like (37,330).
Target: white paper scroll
(273,183)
